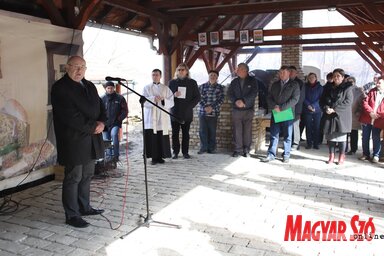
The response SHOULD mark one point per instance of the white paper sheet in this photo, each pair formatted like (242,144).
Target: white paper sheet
(183,91)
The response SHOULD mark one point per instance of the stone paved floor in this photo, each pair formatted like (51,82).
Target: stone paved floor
(225,206)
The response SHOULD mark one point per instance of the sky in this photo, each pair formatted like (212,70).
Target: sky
(112,53)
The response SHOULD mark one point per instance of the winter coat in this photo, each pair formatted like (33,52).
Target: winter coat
(340,99)
(76,108)
(285,97)
(358,97)
(368,106)
(116,109)
(247,94)
(312,97)
(183,108)
(299,105)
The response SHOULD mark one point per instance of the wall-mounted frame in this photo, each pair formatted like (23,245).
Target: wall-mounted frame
(214,38)
(258,36)
(202,38)
(229,35)
(244,36)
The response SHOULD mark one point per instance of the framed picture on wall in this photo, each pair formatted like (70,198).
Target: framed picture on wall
(214,38)
(202,38)
(257,36)
(229,35)
(244,36)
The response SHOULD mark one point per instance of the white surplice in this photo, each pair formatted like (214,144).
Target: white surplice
(155,118)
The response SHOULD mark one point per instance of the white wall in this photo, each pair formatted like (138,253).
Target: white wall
(23,64)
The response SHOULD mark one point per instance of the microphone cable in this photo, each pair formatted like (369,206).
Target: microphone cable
(127,173)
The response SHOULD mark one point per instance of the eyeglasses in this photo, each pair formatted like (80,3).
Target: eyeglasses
(180,69)
(77,67)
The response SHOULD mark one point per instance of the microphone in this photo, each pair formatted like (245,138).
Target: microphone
(118,79)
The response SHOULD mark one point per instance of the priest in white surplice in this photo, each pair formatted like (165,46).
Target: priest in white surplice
(156,121)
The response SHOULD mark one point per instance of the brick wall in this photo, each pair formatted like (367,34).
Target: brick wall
(224,128)
(292,54)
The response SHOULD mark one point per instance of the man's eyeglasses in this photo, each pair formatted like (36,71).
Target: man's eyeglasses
(180,69)
(77,67)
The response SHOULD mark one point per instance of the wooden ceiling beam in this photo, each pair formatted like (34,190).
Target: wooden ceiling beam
(188,53)
(354,17)
(87,7)
(368,41)
(102,14)
(226,58)
(196,55)
(139,9)
(185,29)
(265,7)
(206,61)
(366,51)
(323,30)
(169,4)
(69,10)
(216,59)
(128,19)
(53,12)
(373,66)
(374,13)
(162,31)
(314,48)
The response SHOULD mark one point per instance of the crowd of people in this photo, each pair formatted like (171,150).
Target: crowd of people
(335,111)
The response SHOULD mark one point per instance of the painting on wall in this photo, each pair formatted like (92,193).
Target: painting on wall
(17,155)
(202,39)
(244,37)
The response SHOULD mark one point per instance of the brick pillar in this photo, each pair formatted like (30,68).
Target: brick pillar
(292,54)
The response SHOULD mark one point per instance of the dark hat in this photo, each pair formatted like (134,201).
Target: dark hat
(109,83)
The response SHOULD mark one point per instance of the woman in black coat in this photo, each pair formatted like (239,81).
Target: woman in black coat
(336,103)
(186,96)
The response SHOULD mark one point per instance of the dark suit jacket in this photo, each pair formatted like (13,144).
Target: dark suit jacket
(247,94)
(75,112)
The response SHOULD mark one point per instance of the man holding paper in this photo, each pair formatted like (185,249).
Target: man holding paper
(284,95)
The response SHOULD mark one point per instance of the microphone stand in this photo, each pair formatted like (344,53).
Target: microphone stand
(147,220)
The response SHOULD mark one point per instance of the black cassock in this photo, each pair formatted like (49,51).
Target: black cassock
(157,145)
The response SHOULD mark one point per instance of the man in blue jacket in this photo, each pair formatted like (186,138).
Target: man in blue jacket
(242,93)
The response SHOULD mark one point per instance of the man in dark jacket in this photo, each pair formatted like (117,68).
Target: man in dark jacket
(117,110)
(297,122)
(79,117)
(186,96)
(242,93)
(284,95)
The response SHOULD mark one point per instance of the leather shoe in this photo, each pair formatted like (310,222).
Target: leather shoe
(245,154)
(77,222)
(160,161)
(186,156)
(153,162)
(235,154)
(201,152)
(92,211)
(175,156)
